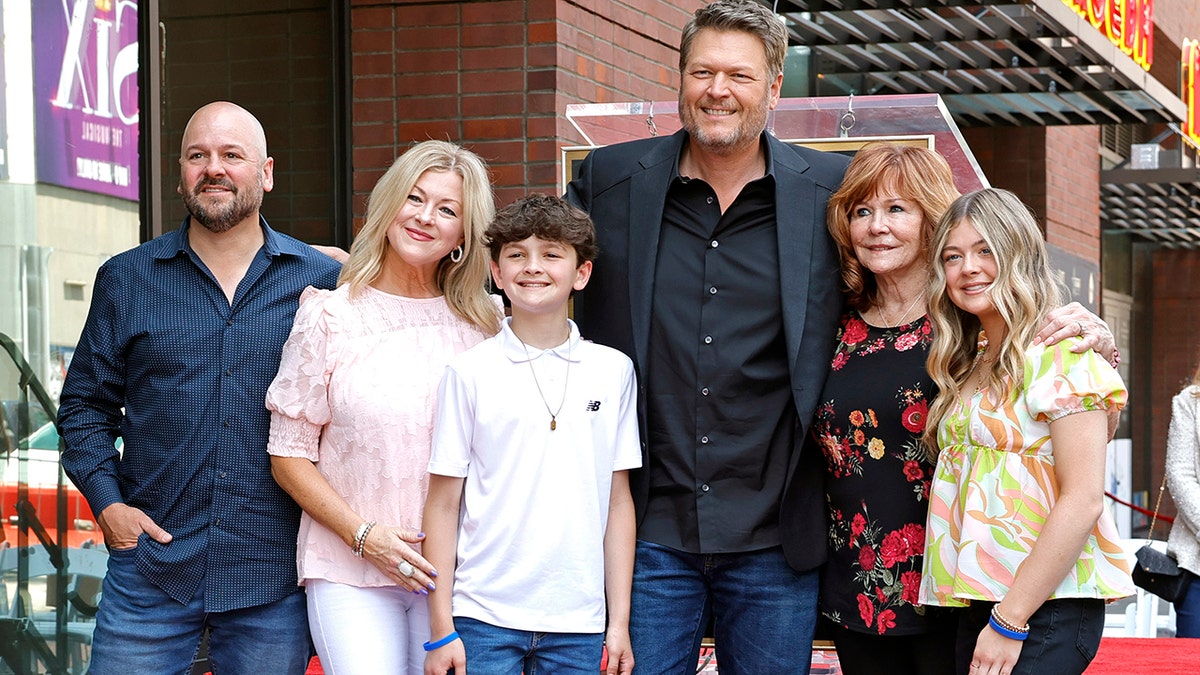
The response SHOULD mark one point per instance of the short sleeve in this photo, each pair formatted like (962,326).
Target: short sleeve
(629,446)
(1059,382)
(452,426)
(298,397)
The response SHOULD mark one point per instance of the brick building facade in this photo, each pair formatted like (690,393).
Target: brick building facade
(497,76)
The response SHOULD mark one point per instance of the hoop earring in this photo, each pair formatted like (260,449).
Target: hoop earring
(457,254)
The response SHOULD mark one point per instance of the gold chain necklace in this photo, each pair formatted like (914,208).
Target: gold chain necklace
(982,378)
(887,321)
(566,381)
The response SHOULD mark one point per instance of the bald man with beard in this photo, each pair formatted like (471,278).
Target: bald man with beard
(182,339)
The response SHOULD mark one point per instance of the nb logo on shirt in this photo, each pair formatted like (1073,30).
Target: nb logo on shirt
(593,406)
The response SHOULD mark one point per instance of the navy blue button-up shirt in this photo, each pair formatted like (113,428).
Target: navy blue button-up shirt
(167,363)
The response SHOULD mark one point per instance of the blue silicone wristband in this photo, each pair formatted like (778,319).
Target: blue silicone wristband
(430,646)
(1012,634)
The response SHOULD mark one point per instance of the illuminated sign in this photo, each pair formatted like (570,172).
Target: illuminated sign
(1128,24)
(85,80)
(1191,69)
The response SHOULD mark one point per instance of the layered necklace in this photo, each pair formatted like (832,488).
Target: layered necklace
(566,380)
(981,359)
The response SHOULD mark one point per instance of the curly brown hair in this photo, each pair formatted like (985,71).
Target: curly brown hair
(547,218)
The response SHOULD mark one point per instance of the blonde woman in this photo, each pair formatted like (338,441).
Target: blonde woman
(1183,479)
(1017,531)
(353,404)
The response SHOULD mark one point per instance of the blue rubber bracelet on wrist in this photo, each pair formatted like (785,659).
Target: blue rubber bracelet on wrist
(430,646)
(1012,634)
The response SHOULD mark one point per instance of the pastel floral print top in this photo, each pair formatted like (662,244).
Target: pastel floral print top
(877,479)
(995,485)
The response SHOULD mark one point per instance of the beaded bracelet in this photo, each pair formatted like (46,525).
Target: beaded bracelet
(430,646)
(1005,627)
(360,537)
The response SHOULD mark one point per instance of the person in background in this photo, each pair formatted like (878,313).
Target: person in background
(1018,532)
(873,409)
(181,341)
(353,403)
(1183,479)
(529,514)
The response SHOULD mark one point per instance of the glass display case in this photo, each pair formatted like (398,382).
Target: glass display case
(834,123)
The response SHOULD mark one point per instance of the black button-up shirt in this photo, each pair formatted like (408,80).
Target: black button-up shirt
(721,421)
(167,363)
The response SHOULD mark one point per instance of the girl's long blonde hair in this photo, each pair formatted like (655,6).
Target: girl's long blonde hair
(463,283)
(1024,290)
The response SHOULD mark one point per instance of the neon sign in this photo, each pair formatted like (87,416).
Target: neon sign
(1128,24)
(1191,70)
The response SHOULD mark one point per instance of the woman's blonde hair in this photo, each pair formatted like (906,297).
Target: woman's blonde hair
(1024,290)
(916,174)
(463,283)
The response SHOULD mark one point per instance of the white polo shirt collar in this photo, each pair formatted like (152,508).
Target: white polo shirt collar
(516,352)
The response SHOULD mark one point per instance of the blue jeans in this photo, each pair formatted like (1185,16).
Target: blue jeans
(764,611)
(140,629)
(1187,610)
(492,650)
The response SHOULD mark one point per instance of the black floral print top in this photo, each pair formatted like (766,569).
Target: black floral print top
(868,425)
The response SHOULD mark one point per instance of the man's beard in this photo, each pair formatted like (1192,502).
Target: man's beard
(222,219)
(753,122)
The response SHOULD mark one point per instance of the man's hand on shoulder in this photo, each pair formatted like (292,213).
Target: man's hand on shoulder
(333,252)
(123,524)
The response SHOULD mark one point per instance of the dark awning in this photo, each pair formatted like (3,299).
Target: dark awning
(1159,205)
(994,62)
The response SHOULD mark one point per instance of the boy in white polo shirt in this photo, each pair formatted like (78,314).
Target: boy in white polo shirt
(529,493)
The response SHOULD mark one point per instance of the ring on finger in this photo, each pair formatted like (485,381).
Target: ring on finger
(1081,331)
(406,568)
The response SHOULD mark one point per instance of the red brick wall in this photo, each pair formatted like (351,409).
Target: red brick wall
(1056,171)
(497,77)
(1072,187)
(1174,349)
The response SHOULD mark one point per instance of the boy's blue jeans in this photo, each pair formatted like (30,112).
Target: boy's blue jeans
(139,629)
(492,650)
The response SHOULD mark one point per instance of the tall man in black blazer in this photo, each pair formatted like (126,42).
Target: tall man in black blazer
(718,278)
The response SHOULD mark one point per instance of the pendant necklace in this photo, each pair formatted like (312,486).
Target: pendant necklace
(980,352)
(566,381)
(982,377)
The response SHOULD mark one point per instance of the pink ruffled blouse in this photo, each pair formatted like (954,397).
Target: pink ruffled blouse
(356,394)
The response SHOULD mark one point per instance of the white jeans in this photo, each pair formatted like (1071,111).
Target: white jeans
(367,630)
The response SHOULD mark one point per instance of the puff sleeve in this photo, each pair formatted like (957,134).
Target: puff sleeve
(298,397)
(1059,382)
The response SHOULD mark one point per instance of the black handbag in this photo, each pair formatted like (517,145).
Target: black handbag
(1156,571)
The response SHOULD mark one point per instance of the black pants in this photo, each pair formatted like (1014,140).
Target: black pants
(929,653)
(1063,636)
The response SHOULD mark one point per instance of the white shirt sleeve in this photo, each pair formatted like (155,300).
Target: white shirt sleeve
(453,426)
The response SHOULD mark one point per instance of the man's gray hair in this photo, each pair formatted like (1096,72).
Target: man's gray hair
(747,16)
